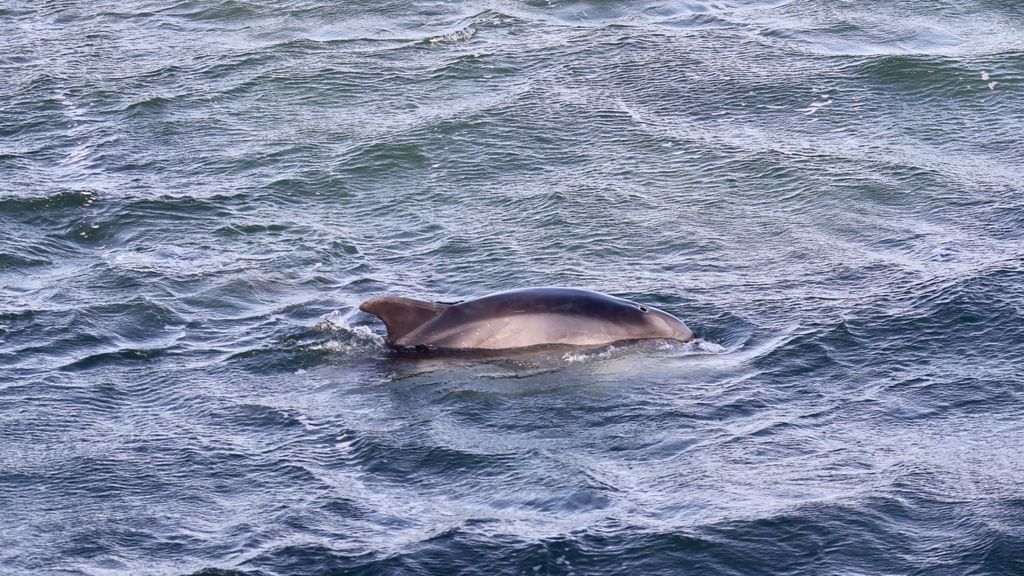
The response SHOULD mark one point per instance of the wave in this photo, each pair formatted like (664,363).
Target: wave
(897,30)
(803,540)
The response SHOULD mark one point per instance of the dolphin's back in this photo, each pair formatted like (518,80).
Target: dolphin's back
(522,318)
(513,319)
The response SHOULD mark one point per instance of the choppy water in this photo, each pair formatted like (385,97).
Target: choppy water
(195,196)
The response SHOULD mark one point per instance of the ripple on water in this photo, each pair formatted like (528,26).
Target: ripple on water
(196,197)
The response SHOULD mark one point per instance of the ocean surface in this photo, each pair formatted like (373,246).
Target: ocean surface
(195,196)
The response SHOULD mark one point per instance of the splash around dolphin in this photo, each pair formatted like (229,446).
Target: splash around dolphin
(519,319)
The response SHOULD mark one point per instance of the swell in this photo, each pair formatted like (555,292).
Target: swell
(804,539)
(900,29)
(829,193)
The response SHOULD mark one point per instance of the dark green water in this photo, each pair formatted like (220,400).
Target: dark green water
(195,196)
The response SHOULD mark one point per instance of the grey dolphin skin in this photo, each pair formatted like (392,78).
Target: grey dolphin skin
(523,318)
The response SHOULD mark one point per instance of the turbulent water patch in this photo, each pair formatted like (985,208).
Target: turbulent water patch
(196,196)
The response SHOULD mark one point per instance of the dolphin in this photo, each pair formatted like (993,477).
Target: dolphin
(524,318)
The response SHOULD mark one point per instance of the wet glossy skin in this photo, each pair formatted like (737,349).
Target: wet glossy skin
(544,316)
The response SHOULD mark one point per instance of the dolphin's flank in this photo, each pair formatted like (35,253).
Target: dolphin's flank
(523,318)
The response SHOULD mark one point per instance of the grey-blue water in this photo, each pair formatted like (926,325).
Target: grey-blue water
(196,195)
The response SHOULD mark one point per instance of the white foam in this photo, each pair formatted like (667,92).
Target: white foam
(814,107)
(574,357)
(346,336)
(456,36)
(707,347)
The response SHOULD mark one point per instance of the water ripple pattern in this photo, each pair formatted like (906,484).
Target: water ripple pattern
(196,196)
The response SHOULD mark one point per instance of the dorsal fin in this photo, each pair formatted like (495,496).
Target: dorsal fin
(402,315)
